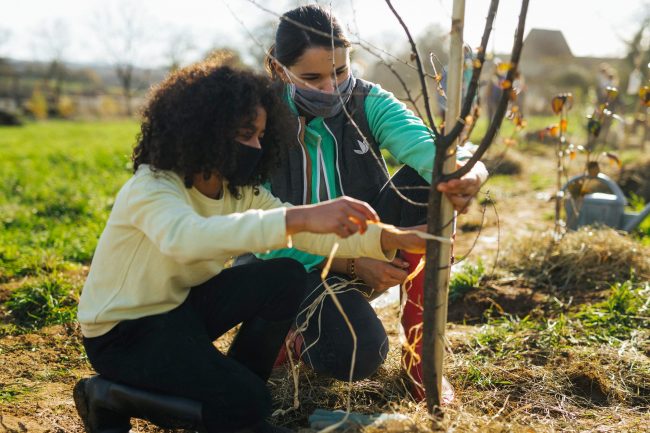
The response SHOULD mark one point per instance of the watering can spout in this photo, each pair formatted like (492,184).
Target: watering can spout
(633,220)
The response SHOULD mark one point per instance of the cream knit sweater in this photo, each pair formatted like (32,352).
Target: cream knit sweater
(162,238)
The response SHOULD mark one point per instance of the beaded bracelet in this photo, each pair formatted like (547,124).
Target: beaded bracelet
(351,269)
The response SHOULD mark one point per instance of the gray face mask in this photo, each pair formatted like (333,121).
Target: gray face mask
(323,104)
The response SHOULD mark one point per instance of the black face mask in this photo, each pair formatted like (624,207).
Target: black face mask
(247,159)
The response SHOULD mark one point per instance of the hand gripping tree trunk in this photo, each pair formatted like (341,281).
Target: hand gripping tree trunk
(440,215)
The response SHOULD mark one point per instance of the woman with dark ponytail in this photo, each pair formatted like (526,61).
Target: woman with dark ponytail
(334,156)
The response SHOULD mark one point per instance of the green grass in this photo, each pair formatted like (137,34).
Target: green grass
(10,393)
(57,183)
(643,230)
(613,322)
(626,310)
(49,301)
(465,280)
(540,182)
(600,345)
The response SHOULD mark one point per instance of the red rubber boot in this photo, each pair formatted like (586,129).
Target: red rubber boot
(412,326)
(294,340)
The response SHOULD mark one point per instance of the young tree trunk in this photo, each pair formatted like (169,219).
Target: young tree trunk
(441,220)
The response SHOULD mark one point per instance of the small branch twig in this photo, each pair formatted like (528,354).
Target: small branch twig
(476,73)
(391,68)
(503,102)
(423,83)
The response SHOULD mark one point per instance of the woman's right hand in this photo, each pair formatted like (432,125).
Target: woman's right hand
(343,216)
(381,275)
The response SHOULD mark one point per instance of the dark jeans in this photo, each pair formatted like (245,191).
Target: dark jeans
(328,336)
(172,353)
(332,352)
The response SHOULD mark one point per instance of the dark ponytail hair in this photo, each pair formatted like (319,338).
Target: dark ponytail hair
(302,28)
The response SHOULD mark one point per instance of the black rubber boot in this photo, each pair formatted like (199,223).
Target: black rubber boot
(257,344)
(107,407)
(97,415)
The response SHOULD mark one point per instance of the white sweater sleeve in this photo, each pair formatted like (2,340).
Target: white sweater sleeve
(367,245)
(159,209)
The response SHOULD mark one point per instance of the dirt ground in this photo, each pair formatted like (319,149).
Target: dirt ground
(38,370)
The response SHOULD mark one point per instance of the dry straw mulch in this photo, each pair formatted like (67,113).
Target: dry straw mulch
(506,378)
(590,258)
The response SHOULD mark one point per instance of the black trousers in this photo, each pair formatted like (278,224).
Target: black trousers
(330,340)
(328,337)
(172,353)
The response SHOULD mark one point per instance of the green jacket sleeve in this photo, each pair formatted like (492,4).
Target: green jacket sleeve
(401,132)
(309,261)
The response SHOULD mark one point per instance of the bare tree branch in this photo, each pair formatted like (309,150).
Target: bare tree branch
(406,89)
(476,73)
(368,46)
(294,22)
(180,44)
(52,41)
(423,82)
(372,49)
(503,102)
(124,32)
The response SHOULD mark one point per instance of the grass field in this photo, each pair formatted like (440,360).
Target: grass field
(57,183)
(545,339)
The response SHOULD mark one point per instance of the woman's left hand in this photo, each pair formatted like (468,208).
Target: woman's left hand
(461,191)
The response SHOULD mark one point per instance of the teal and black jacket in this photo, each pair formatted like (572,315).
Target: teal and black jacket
(332,158)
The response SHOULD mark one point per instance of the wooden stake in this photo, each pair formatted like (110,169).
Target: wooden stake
(446,216)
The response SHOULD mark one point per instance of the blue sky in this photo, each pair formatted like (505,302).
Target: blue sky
(592,27)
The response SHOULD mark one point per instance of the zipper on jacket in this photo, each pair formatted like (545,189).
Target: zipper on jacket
(336,149)
(322,173)
(304,165)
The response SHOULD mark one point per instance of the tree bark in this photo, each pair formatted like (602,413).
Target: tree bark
(439,221)
(440,210)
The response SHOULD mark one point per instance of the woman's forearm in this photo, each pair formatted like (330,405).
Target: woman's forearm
(340,266)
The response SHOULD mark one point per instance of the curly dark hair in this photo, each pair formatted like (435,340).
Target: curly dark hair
(191,120)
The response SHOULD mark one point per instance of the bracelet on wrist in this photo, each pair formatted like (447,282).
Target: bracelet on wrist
(352,269)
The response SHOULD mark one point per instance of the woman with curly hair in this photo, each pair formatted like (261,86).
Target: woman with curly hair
(159,291)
